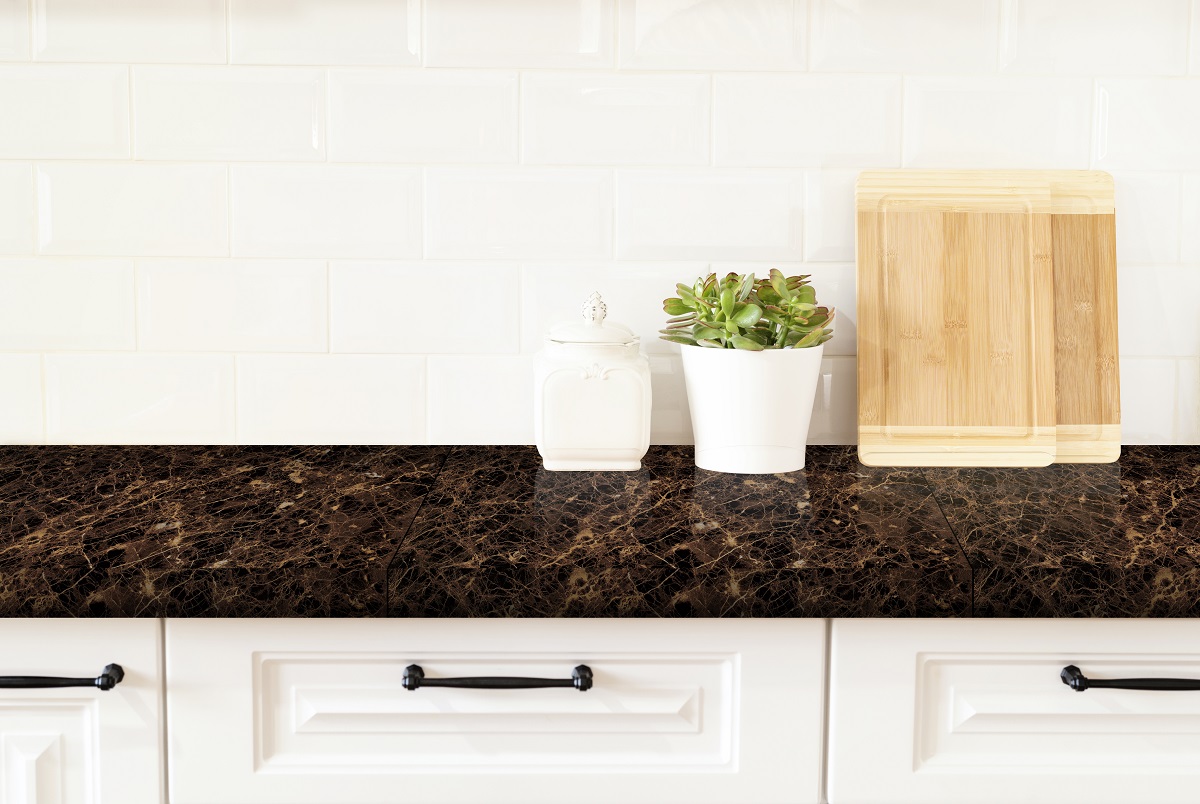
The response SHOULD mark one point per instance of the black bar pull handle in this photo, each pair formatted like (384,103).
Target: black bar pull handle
(414,679)
(111,677)
(1074,678)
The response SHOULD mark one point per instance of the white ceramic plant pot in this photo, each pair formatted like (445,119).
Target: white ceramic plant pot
(750,410)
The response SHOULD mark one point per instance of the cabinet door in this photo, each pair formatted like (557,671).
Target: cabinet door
(80,745)
(314,712)
(977,711)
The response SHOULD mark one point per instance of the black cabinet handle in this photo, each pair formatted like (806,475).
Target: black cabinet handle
(1074,678)
(414,679)
(111,677)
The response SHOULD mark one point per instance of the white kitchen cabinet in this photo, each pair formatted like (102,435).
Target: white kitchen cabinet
(954,711)
(81,745)
(314,712)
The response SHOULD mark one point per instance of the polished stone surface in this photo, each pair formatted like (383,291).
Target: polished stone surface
(498,536)
(486,532)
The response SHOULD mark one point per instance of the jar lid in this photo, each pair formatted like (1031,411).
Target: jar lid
(593,328)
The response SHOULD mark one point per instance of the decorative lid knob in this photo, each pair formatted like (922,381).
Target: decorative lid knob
(594,310)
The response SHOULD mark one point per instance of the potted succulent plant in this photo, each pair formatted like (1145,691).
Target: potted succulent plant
(751,359)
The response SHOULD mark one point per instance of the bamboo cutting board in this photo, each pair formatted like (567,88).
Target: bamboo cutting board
(959,277)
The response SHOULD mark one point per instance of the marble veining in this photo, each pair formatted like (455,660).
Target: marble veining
(486,532)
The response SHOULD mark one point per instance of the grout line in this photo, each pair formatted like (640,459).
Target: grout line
(237,408)
(30,31)
(137,330)
(520,118)
(45,398)
(1191,39)
(228,211)
(129,97)
(229,31)
(328,306)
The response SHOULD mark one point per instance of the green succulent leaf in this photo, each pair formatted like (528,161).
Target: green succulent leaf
(703,332)
(674,306)
(727,302)
(711,344)
(746,315)
(741,342)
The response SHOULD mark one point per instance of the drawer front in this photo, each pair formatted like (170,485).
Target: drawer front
(976,711)
(312,712)
(81,745)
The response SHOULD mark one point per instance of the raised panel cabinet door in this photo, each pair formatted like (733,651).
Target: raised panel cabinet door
(980,711)
(317,712)
(80,745)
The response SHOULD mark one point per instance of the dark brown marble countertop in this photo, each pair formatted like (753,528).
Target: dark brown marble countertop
(486,532)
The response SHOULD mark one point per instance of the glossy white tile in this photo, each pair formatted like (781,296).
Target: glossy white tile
(229,113)
(1148,206)
(168,31)
(481,399)
(670,417)
(133,398)
(916,36)
(706,215)
(530,33)
(997,122)
(406,116)
(16,208)
(330,399)
(1187,415)
(1150,402)
(325,31)
(14,30)
(713,34)
(21,399)
(1190,216)
(552,293)
(132,209)
(232,305)
(56,111)
(1087,37)
(389,307)
(518,213)
(615,119)
(807,120)
(66,304)
(1147,124)
(1156,315)
(835,285)
(325,211)
(829,215)
(835,407)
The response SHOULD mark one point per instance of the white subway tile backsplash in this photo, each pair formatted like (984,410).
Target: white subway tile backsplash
(594,119)
(390,307)
(1083,37)
(997,122)
(829,215)
(835,286)
(16,208)
(21,399)
(1148,207)
(552,293)
(1187,408)
(916,36)
(807,120)
(14,30)
(531,33)
(481,399)
(136,398)
(427,116)
(176,31)
(835,407)
(709,215)
(66,304)
(330,399)
(64,112)
(325,31)
(325,211)
(232,306)
(132,209)
(670,417)
(1149,400)
(1147,124)
(713,34)
(1156,314)
(229,113)
(518,213)
(1190,215)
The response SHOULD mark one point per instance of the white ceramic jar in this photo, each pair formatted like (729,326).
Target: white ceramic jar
(591,397)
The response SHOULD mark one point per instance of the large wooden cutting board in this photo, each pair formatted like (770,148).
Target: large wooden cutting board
(959,277)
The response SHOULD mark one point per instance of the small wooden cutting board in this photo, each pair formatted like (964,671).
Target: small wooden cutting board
(958,283)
